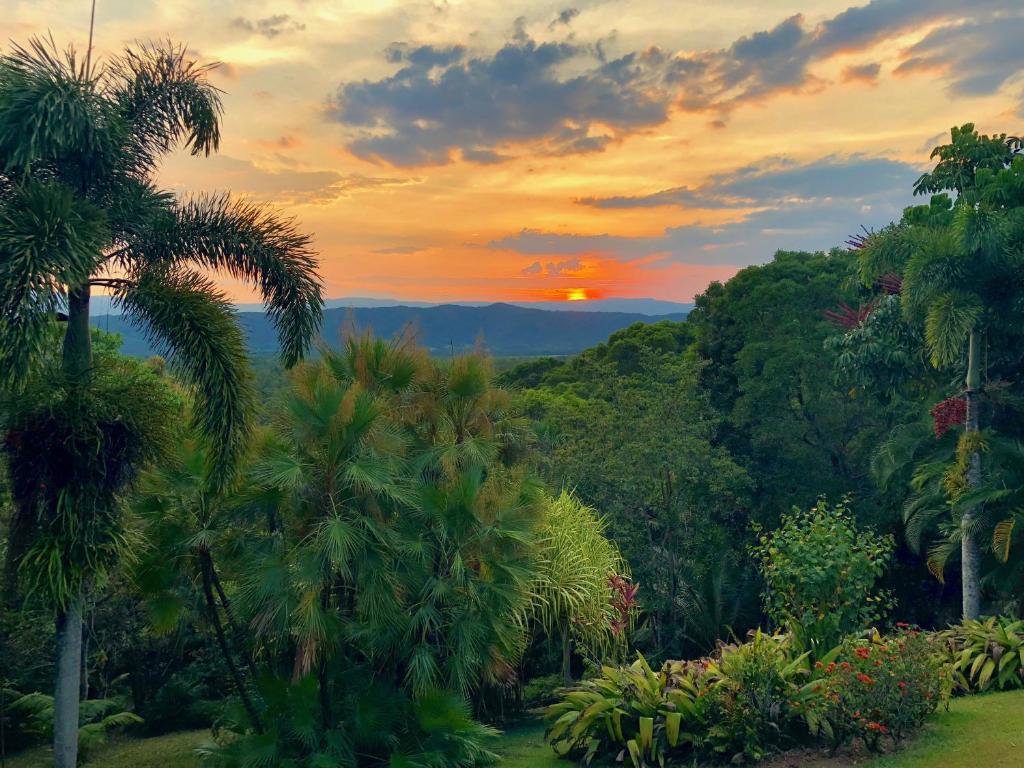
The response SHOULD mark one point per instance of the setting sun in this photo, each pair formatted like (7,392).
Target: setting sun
(577,294)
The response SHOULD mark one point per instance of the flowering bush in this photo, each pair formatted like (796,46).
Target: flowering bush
(877,689)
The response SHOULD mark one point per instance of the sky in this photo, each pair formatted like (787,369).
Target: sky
(524,150)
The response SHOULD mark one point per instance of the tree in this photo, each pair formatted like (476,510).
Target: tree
(957,262)
(820,575)
(573,589)
(628,428)
(79,146)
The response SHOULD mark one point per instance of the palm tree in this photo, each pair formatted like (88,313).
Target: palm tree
(956,260)
(189,522)
(79,210)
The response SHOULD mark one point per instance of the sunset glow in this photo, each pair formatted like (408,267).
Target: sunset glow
(485,150)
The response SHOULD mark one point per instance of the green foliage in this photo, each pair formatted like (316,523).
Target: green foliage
(631,714)
(741,704)
(639,446)
(753,705)
(79,204)
(32,715)
(986,654)
(784,421)
(877,688)
(820,574)
(72,453)
(390,554)
(575,562)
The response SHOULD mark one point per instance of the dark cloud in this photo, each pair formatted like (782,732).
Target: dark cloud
(270,26)
(534,269)
(978,57)
(443,100)
(564,18)
(566,97)
(679,196)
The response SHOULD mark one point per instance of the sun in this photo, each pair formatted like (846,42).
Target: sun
(577,294)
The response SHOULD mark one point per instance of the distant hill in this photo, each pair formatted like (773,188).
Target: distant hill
(101,305)
(504,329)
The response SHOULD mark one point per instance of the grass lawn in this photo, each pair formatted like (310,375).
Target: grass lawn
(978,732)
(984,731)
(173,750)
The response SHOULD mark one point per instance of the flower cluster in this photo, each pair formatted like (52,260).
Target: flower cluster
(882,687)
(952,410)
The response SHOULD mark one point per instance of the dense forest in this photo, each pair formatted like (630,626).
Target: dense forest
(774,524)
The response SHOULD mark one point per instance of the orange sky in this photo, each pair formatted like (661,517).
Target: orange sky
(446,150)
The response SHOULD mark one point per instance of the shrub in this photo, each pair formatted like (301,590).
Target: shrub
(820,573)
(31,720)
(985,654)
(631,714)
(754,700)
(738,706)
(876,689)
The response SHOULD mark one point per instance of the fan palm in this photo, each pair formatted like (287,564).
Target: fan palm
(957,260)
(79,210)
(189,522)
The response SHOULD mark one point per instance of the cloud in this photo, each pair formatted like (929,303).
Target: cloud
(558,268)
(443,99)
(781,204)
(283,142)
(564,18)
(978,57)
(289,185)
(774,181)
(553,268)
(561,97)
(399,250)
(270,26)
(863,73)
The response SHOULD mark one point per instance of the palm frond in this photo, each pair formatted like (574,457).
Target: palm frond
(185,314)
(166,98)
(51,115)
(950,320)
(49,240)
(251,243)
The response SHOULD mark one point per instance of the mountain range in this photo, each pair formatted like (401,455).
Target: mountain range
(503,329)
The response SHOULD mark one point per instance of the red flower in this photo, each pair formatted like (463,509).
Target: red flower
(866,679)
(863,652)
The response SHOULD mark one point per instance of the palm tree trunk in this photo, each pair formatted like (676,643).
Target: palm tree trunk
(222,641)
(66,688)
(970,554)
(77,363)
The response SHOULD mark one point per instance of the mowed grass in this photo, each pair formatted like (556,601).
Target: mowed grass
(172,750)
(978,732)
(985,731)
